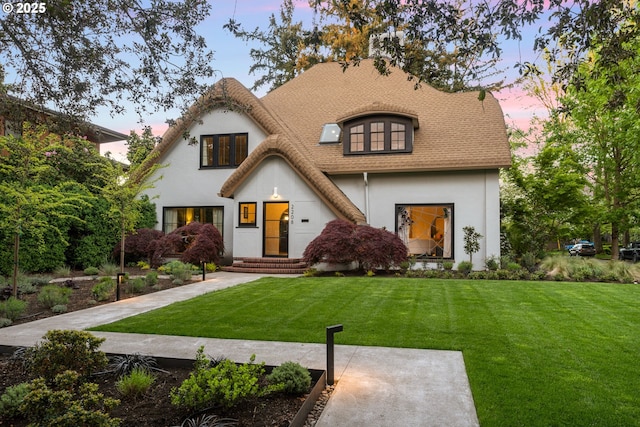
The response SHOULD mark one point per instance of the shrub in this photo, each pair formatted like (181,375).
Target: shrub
(151,278)
(91,271)
(59,308)
(478,275)
(179,271)
(135,383)
(211,267)
(491,263)
(108,268)
(140,246)
(529,261)
(68,402)
(52,295)
(4,322)
(465,267)
(513,266)
(66,350)
(12,308)
(40,281)
(136,285)
(62,271)
(104,289)
(342,242)
(292,376)
(11,400)
(447,265)
(125,364)
(208,421)
(225,384)
(143,265)
(334,245)
(203,242)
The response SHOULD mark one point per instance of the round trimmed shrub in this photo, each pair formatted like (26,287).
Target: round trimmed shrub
(294,378)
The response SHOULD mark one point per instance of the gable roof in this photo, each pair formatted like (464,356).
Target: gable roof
(10,105)
(456,131)
(229,93)
(280,146)
(451,131)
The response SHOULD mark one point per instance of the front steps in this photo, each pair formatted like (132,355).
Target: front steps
(267,266)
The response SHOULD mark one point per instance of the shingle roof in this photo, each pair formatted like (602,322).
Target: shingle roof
(451,131)
(456,132)
(280,146)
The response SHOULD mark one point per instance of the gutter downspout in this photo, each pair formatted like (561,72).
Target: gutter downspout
(365,175)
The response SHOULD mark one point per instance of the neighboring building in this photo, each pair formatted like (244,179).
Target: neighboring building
(13,112)
(269,173)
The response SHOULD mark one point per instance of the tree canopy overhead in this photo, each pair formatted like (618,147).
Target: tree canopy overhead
(452,45)
(79,57)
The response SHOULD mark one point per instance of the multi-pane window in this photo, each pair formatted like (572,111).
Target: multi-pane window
(177,217)
(223,151)
(356,139)
(398,136)
(247,214)
(379,135)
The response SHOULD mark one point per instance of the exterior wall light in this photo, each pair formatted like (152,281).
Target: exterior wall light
(275,194)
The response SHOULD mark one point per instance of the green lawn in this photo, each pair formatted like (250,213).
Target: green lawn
(537,353)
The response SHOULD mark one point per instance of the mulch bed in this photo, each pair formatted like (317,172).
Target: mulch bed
(154,408)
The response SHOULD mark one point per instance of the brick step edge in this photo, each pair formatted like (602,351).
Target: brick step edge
(268,265)
(234,269)
(268,260)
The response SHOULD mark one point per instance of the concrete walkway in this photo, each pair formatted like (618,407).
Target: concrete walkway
(375,386)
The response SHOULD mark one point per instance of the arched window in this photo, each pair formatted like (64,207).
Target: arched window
(378,134)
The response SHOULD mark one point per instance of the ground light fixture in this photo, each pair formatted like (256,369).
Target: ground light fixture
(331,330)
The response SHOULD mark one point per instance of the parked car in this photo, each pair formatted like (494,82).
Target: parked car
(631,252)
(570,245)
(582,249)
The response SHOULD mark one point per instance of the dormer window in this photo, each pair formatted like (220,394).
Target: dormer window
(378,134)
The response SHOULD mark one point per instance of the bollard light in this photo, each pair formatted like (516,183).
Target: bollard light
(204,271)
(331,330)
(119,279)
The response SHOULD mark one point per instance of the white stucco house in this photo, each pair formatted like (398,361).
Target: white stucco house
(270,172)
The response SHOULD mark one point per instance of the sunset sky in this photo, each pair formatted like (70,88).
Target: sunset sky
(231,59)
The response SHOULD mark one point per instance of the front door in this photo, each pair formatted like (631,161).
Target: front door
(276,229)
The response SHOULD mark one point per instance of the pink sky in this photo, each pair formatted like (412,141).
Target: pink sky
(231,58)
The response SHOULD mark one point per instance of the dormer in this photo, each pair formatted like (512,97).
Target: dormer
(378,128)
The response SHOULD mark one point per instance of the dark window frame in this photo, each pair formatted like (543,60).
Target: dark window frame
(451,207)
(164,216)
(388,121)
(241,214)
(233,150)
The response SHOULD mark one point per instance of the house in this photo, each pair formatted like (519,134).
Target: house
(14,112)
(269,173)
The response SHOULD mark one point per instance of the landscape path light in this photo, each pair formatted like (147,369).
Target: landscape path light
(331,330)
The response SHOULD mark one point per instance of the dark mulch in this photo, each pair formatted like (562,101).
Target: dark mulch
(154,408)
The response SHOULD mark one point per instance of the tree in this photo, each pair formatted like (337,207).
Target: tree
(139,147)
(122,189)
(602,102)
(453,46)
(452,50)
(342,242)
(28,204)
(471,241)
(79,57)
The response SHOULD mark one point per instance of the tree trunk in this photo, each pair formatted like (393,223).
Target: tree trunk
(16,253)
(597,238)
(122,248)
(614,241)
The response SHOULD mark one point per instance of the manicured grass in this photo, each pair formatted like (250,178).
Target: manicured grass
(537,353)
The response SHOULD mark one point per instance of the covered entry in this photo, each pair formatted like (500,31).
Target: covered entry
(276,229)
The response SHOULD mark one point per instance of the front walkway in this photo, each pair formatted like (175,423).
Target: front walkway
(375,386)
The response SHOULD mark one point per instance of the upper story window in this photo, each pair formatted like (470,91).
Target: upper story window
(223,151)
(379,134)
